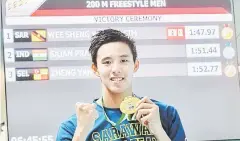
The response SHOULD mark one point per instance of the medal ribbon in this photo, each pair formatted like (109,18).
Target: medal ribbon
(122,118)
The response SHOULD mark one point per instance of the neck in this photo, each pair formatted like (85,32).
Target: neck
(113,100)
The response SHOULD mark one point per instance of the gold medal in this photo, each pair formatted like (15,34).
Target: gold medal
(128,105)
(227,32)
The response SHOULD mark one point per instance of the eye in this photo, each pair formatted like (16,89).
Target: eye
(124,60)
(107,62)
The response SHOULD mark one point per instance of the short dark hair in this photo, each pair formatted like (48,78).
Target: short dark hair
(108,36)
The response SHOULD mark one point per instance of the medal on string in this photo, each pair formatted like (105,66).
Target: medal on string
(129,105)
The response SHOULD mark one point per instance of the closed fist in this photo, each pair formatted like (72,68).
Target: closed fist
(86,115)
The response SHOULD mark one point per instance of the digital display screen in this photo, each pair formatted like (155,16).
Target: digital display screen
(187,52)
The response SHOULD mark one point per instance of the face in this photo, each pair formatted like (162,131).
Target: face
(115,66)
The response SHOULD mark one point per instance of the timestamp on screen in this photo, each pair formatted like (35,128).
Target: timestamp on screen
(33,138)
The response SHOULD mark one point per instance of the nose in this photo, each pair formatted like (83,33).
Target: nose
(116,68)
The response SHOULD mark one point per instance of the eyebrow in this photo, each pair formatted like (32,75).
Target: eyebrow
(125,55)
(106,58)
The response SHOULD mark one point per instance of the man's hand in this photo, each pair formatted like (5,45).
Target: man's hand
(148,115)
(86,115)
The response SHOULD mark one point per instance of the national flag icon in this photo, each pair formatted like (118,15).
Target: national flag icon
(40,74)
(39,54)
(38,35)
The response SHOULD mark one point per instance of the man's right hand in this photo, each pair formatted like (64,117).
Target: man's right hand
(86,115)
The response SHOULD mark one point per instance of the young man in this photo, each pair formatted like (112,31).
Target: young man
(120,115)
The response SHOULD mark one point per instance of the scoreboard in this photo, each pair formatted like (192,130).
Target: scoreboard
(198,38)
(187,51)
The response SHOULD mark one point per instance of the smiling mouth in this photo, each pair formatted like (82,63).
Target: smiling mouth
(117,79)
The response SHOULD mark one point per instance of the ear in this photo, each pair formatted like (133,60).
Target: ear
(95,70)
(136,65)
